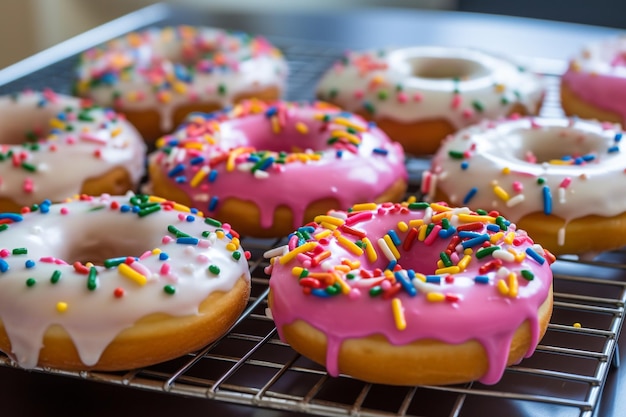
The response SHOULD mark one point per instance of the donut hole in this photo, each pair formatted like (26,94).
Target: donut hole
(24,123)
(248,132)
(93,242)
(551,145)
(446,68)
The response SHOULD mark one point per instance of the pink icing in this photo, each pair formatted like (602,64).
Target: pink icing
(468,309)
(327,154)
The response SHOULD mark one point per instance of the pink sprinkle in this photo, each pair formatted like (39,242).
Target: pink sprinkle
(60,262)
(418,97)
(181,217)
(91,138)
(145,255)
(432,235)
(47,259)
(64,210)
(226,227)
(566,182)
(165,269)
(456,101)
(166,239)
(359,94)
(141,268)
(402,97)
(354,294)
(530,157)
(28,185)
(426,179)
(385,285)
(204,243)
(70,140)
(202,258)
(293,241)
(534,124)
(518,187)
(468,113)
(4,253)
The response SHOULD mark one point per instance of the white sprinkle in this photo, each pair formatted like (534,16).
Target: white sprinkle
(503,255)
(515,200)
(278,251)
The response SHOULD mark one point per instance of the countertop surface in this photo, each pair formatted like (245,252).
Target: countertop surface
(31,393)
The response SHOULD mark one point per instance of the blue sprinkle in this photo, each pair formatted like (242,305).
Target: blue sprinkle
(618,137)
(194,210)
(271,111)
(181,179)
(394,237)
(589,157)
(253,158)
(339,153)
(380,151)
(124,208)
(213,203)
(469,195)
(187,240)
(44,208)
(613,149)
(190,218)
(163,256)
(475,241)
(212,175)
(371,125)
(406,283)
(136,209)
(466,234)
(410,273)
(464,165)
(11,216)
(391,265)
(531,252)
(197,160)
(433,279)
(320,293)
(481,279)
(547,200)
(445,233)
(29,263)
(493,227)
(176,170)
(4,266)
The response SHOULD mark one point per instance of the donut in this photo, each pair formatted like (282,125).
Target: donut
(419,95)
(594,83)
(157,76)
(54,146)
(266,168)
(560,179)
(411,293)
(116,282)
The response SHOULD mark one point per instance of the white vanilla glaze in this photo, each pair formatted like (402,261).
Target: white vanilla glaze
(460,85)
(50,143)
(163,68)
(567,168)
(114,227)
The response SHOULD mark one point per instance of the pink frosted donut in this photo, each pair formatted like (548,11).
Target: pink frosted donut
(267,168)
(54,146)
(594,84)
(411,293)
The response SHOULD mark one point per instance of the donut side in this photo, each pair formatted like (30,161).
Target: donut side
(574,105)
(422,362)
(152,339)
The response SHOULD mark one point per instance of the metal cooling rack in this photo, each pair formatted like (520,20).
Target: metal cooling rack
(251,366)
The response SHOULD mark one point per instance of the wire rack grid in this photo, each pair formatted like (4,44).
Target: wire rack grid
(251,366)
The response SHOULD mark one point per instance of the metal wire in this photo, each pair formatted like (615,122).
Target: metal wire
(251,366)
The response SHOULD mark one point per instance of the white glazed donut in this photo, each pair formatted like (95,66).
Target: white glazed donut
(159,75)
(562,180)
(164,282)
(418,95)
(55,146)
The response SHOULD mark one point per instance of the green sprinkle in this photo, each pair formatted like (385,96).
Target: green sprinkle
(92,279)
(304,273)
(504,101)
(173,230)
(376,291)
(445,223)
(418,206)
(206,234)
(169,289)
(501,221)
(445,259)
(113,262)
(481,253)
(527,275)
(456,154)
(333,93)
(30,282)
(221,89)
(56,276)
(333,289)
(149,210)
(3,227)
(382,95)
(214,269)
(20,251)
(541,181)
(236,255)
(29,167)
(482,212)
(369,107)
(213,222)
(478,106)
(97,208)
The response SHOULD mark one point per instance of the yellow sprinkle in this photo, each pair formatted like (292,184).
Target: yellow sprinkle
(440,264)
(502,287)
(519,256)
(302,128)
(577,325)
(89,264)
(398,314)
(421,232)
(464,262)
(500,88)
(194,145)
(389,275)
(349,245)
(470,218)
(370,251)
(508,239)
(329,219)
(348,123)
(231,247)
(513,284)
(275,125)
(421,277)
(559,162)
(232,156)
(448,270)
(128,272)
(220,234)
(506,170)
(495,238)
(199,176)
(354,139)
(156,251)
(392,246)
(328,226)
(468,251)
(116,131)
(416,223)
(411,199)
(300,249)
(499,191)
(296,270)
(179,87)
(364,207)
(322,235)
(356,264)
(435,297)
(439,207)
(345,288)
(402,226)
(61,307)
(57,124)
(342,268)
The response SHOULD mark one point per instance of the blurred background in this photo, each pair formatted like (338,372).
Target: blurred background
(29,26)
